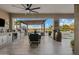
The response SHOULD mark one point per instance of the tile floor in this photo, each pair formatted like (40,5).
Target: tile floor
(47,47)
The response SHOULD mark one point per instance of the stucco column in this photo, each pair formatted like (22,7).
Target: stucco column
(41,27)
(44,28)
(76,14)
(27,28)
(10,22)
(56,26)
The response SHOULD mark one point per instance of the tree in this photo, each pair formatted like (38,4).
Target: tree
(65,27)
(72,27)
(50,28)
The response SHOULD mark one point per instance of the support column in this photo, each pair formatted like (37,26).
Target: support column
(27,28)
(20,30)
(44,28)
(56,26)
(41,27)
(10,22)
(20,26)
(76,43)
(56,23)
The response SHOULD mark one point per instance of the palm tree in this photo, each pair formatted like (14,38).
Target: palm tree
(18,23)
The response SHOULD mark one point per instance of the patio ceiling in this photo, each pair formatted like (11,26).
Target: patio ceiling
(31,22)
(44,8)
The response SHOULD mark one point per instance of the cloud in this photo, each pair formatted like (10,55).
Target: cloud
(66,21)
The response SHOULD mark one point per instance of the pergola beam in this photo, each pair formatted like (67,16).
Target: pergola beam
(52,15)
(31,22)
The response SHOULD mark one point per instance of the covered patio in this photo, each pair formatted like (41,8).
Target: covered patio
(56,12)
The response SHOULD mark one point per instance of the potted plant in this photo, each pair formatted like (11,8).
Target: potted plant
(72,45)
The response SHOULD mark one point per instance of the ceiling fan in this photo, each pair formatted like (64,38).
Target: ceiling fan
(27,7)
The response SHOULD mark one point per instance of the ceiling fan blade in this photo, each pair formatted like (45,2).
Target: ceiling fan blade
(23,6)
(17,7)
(35,8)
(29,5)
(34,11)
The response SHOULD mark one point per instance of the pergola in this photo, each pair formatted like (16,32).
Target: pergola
(34,22)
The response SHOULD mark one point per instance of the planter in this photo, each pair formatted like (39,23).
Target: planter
(72,45)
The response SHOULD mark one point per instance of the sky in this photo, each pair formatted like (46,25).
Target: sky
(49,22)
(66,21)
